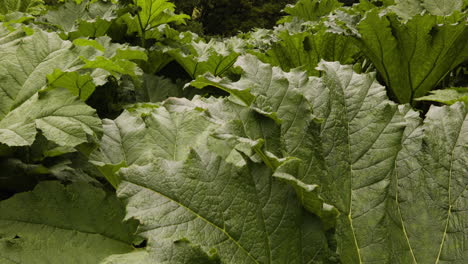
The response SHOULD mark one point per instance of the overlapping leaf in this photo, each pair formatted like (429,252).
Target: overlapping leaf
(447,96)
(61,117)
(372,160)
(24,6)
(310,10)
(150,15)
(198,57)
(306,49)
(57,224)
(86,19)
(415,52)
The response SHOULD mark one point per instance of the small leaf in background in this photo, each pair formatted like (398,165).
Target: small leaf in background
(447,96)
(81,86)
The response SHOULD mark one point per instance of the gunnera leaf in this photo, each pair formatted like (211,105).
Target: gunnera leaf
(412,53)
(229,197)
(391,175)
(58,224)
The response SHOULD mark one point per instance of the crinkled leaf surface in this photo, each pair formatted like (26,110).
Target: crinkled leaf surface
(241,195)
(59,224)
(413,55)
(429,189)
(86,19)
(306,49)
(25,6)
(25,65)
(133,138)
(241,213)
(310,10)
(390,177)
(151,14)
(61,117)
(79,85)
(198,57)
(24,108)
(409,8)
(8,38)
(112,59)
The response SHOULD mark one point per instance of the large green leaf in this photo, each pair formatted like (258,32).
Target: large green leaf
(171,146)
(87,19)
(61,117)
(198,57)
(409,8)
(133,138)
(306,48)
(412,54)
(428,210)
(150,15)
(25,65)
(28,104)
(242,214)
(59,224)
(77,66)
(390,177)
(25,6)
(310,10)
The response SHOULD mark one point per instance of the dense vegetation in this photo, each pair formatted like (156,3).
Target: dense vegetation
(340,135)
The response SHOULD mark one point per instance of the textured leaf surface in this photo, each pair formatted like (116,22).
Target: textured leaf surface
(198,57)
(151,14)
(57,224)
(25,65)
(83,20)
(310,10)
(192,187)
(390,177)
(262,222)
(429,189)
(306,49)
(412,55)
(409,8)
(25,6)
(81,86)
(60,116)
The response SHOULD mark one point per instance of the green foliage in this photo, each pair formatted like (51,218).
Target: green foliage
(369,157)
(124,140)
(84,19)
(412,44)
(23,6)
(447,96)
(77,222)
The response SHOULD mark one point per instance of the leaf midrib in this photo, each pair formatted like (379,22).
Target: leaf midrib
(65,228)
(201,217)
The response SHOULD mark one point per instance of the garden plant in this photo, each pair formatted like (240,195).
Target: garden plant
(340,135)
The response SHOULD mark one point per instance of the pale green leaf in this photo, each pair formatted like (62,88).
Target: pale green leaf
(61,117)
(59,224)
(24,66)
(447,96)
(310,10)
(242,214)
(25,6)
(81,86)
(86,19)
